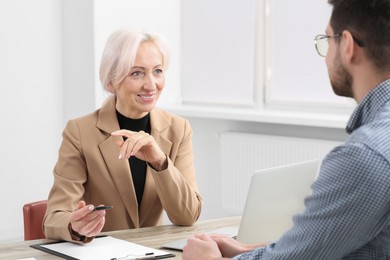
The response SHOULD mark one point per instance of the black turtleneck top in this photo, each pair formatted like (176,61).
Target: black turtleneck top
(137,166)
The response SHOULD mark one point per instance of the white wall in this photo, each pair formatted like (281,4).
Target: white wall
(31,105)
(78,58)
(50,50)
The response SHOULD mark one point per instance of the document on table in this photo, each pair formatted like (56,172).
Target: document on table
(101,248)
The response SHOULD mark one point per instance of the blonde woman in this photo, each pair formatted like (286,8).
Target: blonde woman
(128,154)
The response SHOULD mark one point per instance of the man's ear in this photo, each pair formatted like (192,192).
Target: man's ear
(348,47)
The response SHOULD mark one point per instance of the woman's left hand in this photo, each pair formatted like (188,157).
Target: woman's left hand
(143,146)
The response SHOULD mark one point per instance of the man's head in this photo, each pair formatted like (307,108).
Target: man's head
(357,46)
(368,21)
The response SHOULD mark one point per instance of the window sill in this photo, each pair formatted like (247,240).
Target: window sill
(262,115)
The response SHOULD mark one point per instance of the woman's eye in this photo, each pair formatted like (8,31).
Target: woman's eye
(158,71)
(136,74)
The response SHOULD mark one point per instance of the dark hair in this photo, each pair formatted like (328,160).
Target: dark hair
(369,22)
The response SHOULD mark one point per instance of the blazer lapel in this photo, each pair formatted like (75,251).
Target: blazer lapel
(119,169)
(159,124)
(148,198)
(120,172)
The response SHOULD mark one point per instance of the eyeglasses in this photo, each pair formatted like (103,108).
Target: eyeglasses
(322,43)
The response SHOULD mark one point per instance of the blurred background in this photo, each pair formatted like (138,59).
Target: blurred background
(244,73)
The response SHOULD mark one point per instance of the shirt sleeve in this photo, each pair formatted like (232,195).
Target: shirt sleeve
(346,212)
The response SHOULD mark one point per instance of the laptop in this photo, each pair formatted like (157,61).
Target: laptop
(275,195)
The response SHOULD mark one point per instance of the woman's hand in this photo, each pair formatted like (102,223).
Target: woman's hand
(143,146)
(85,221)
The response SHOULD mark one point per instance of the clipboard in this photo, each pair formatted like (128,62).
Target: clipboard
(101,248)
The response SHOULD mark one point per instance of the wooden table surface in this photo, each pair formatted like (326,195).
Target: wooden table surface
(151,237)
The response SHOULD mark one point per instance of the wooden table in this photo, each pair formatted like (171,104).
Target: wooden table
(152,237)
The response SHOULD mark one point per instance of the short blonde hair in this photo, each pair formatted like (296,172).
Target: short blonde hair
(120,51)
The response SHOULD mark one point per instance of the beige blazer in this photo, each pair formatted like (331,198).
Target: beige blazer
(88,169)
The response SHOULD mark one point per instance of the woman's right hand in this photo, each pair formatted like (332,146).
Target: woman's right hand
(85,221)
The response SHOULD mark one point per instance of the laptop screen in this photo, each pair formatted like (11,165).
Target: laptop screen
(274,196)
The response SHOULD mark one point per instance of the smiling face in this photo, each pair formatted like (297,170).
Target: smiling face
(138,93)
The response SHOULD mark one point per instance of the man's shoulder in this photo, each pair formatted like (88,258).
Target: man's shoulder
(374,136)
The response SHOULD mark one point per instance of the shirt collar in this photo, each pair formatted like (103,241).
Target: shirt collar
(369,106)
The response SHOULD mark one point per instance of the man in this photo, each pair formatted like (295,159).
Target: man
(348,214)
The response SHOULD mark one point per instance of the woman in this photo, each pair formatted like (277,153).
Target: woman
(140,170)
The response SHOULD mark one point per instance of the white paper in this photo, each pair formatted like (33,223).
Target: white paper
(103,248)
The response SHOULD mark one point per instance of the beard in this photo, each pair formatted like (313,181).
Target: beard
(341,80)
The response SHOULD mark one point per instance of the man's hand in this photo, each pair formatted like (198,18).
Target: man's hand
(201,247)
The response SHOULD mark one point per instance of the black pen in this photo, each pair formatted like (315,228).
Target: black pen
(147,256)
(102,208)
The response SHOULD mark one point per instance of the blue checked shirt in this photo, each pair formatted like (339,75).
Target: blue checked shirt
(348,214)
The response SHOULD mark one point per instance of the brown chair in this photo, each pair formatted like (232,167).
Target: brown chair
(33,214)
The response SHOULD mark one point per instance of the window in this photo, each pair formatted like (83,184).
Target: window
(295,75)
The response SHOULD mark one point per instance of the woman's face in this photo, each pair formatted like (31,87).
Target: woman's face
(139,91)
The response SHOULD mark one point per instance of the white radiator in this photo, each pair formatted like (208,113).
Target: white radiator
(243,153)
